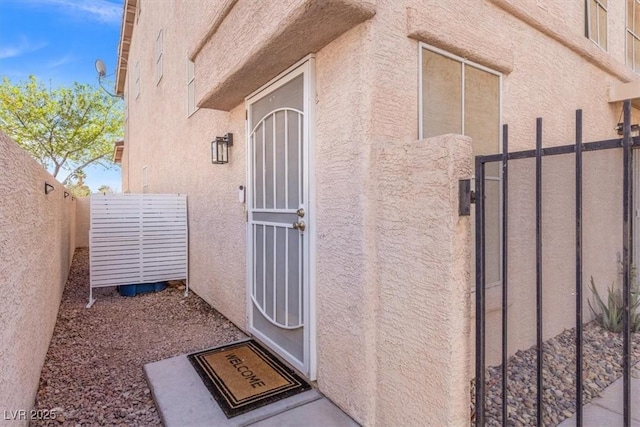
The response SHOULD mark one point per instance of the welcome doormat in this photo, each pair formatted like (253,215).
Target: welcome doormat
(244,376)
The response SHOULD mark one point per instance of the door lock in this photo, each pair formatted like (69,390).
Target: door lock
(300,226)
(300,212)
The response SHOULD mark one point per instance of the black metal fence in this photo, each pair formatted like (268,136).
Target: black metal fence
(626,143)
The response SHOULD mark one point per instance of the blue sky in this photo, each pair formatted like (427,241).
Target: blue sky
(58,41)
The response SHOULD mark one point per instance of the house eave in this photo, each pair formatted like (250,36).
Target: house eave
(126,33)
(118,149)
(621,91)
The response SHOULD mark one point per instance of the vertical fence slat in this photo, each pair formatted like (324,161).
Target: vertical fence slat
(539,361)
(480,300)
(505,210)
(578,268)
(626,249)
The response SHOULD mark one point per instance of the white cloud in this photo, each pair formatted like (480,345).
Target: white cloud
(22,46)
(100,10)
(61,61)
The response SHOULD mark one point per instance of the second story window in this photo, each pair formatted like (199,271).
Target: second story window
(191,88)
(159,57)
(633,34)
(597,22)
(136,81)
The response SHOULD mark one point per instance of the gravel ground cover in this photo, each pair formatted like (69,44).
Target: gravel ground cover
(93,370)
(602,365)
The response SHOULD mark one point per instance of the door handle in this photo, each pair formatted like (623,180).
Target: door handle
(300,212)
(300,226)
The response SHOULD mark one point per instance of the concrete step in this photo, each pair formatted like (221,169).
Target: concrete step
(182,400)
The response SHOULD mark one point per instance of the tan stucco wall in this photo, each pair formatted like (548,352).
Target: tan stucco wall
(37,241)
(423,264)
(83,221)
(366,153)
(174,146)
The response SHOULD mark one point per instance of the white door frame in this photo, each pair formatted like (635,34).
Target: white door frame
(305,66)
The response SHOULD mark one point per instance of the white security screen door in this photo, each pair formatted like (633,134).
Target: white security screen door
(278,267)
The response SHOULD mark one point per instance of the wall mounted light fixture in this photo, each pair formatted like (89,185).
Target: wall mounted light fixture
(220,149)
(48,188)
(635,129)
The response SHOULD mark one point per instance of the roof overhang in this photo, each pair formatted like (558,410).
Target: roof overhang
(118,149)
(126,33)
(289,31)
(622,91)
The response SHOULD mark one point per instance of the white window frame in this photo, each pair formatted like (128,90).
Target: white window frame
(595,39)
(138,10)
(145,179)
(159,48)
(191,84)
(136,82)
(635,63)
(464,63)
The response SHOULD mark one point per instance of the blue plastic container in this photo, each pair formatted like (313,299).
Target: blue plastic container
(141,288)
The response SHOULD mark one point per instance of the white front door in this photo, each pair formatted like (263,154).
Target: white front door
(278,217)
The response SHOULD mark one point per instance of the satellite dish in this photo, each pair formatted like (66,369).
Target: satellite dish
(102,71)
(101,68)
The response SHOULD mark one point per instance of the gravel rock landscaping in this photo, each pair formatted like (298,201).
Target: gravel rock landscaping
(93,370)
(602,365)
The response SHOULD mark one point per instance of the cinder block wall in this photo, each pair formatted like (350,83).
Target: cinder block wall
(37,241)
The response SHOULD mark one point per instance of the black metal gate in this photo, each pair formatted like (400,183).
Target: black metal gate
(625,143)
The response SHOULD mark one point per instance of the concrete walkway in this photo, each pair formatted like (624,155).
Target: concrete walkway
(606,410)
(183,400)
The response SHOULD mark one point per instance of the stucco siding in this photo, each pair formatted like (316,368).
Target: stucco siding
(423,263)
(393,273)
(216,218)
(37,233)
(346,287)
(541,77)
(548,81)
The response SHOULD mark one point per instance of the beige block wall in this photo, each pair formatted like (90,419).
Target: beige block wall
(83,221)
(37,241)
(367,104)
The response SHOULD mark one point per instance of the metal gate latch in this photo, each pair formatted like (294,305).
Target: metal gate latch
(466,197)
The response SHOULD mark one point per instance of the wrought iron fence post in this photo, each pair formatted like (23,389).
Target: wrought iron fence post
(480,297)
(579,268)
(626,260)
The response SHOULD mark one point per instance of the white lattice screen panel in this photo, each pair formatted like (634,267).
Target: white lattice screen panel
(137,238)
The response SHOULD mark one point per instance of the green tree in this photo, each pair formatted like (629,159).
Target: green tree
(66,128)
(105,189)
(78,187)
